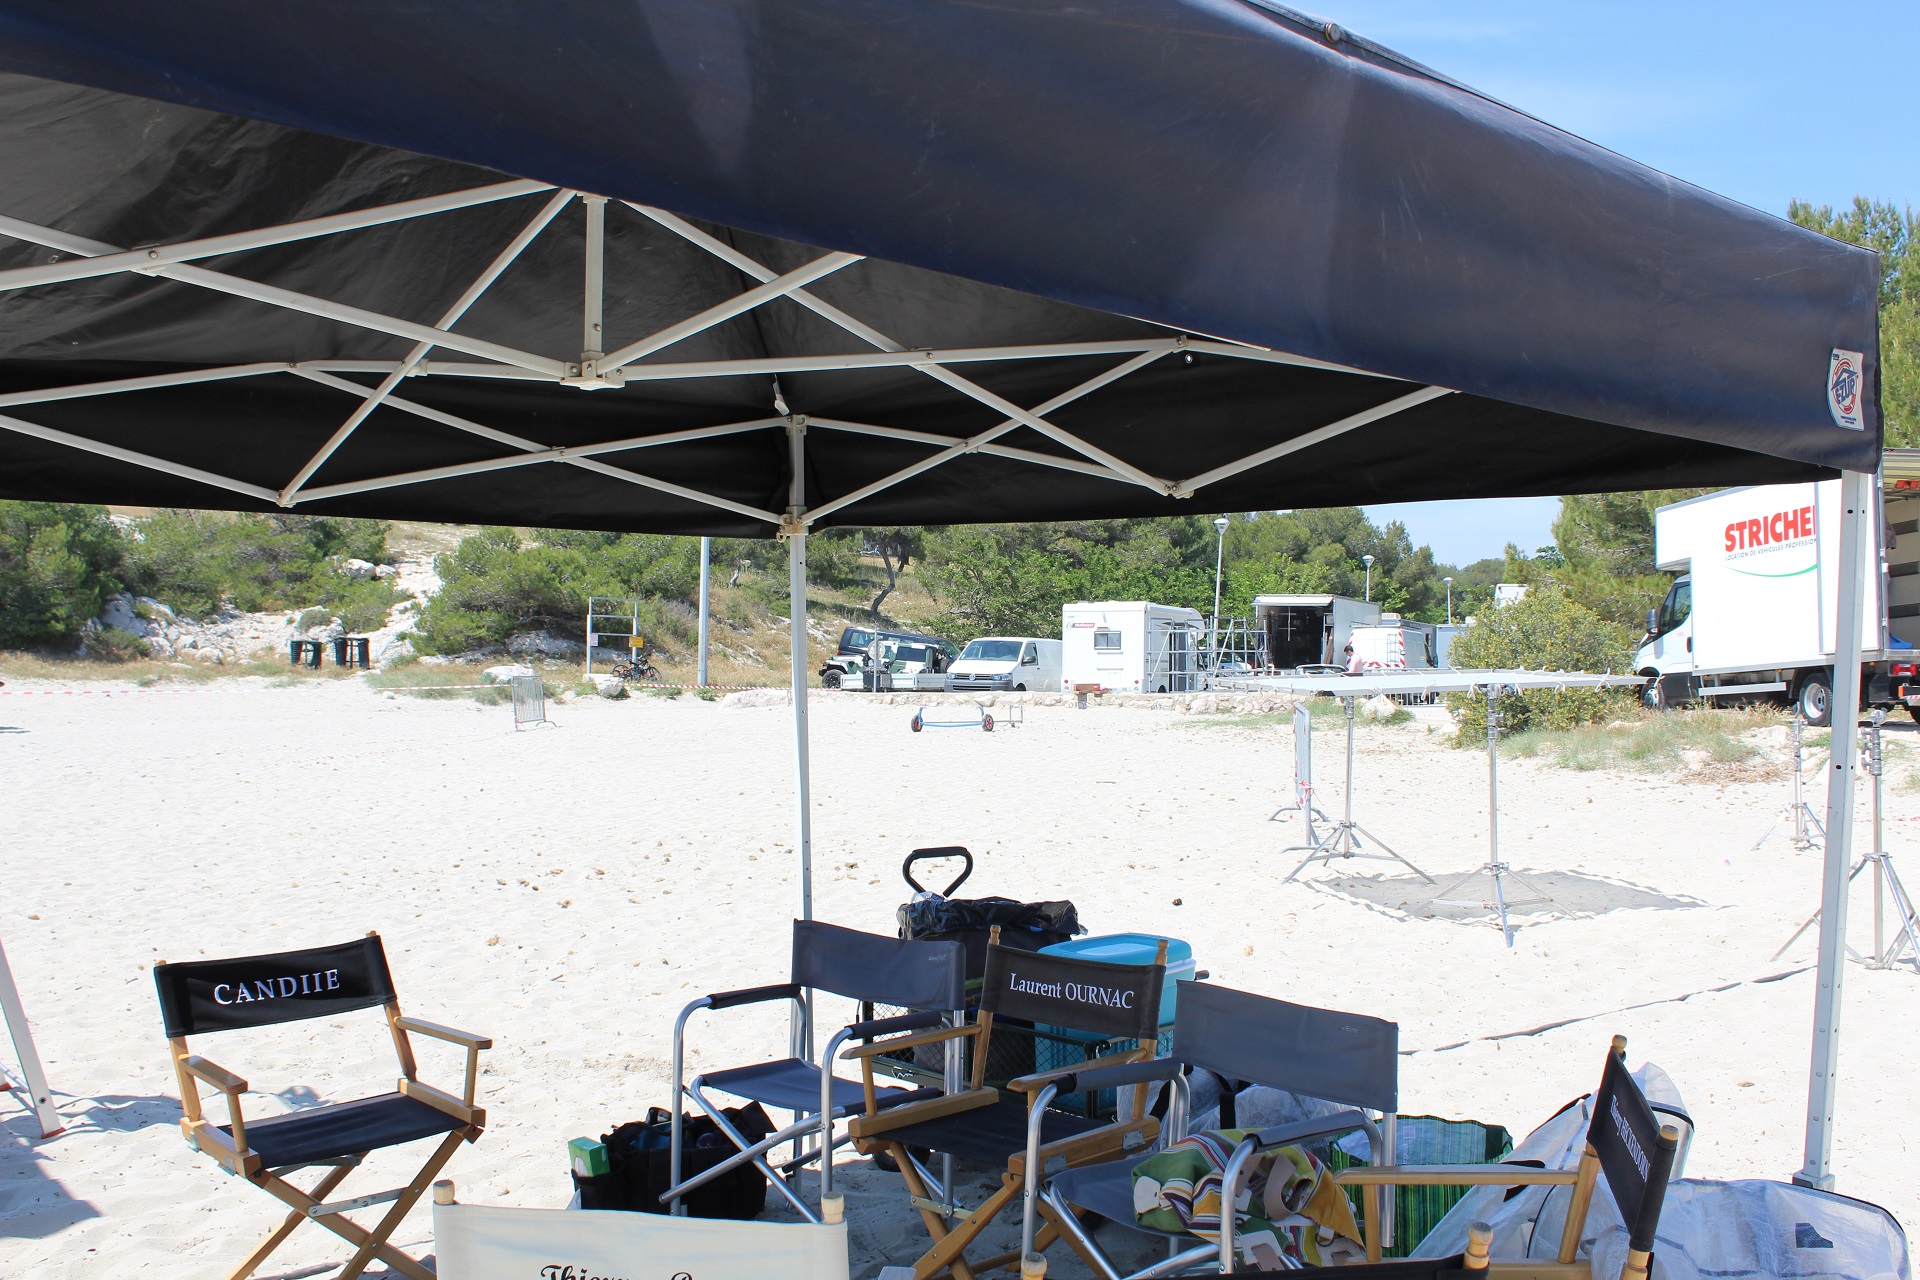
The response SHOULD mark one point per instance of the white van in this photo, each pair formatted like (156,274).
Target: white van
(996,663)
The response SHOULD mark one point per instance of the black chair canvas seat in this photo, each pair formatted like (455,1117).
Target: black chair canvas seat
(343,1129)
(986,1134)
(793,1084)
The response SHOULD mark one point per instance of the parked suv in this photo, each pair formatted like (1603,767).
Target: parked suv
(927,653)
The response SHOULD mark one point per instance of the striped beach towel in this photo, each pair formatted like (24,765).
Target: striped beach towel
(1425,1140)
(1287,1213)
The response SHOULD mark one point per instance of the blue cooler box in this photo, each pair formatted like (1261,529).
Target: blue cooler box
(1055,1048)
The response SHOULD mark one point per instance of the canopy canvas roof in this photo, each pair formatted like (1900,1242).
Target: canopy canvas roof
(1172,257)
(727,267)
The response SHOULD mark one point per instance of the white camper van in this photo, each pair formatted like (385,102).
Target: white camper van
(994,663)
(1754,610)
(1131,646)
(1305,631)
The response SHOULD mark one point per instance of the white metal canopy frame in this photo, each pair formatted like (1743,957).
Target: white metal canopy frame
(600,365)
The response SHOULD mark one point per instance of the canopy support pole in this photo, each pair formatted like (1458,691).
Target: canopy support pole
(1855,497)
(796,531)
(706,609)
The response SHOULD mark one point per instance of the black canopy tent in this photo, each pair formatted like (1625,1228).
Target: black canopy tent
(1155,257)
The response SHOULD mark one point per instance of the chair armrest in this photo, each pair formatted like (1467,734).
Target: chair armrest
(887,1026)
(753,995)
(907,1042)
(466,1039)
(1108,1142)
(868,1126)
(1315,1127)
(214,1074)
(1454,1175)
(1078,1079)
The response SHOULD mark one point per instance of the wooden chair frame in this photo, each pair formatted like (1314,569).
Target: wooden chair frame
(1566,1264)
(948,1251)
(233,1154)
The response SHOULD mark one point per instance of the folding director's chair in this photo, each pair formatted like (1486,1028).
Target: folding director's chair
(1625,1141)
(1244,1039)
(205,996)
(926,977)
(1119,1001)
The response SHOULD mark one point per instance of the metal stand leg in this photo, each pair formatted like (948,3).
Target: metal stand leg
(1342,839)
(1496,870)
(39,1095)
(1806,824)
(1886,881)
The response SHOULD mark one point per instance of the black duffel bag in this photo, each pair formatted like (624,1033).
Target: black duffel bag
(940,917)
(639,1169)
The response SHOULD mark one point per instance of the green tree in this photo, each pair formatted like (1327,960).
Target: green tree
(1895,233)
(1547,630)
(1605,543)
(58,563)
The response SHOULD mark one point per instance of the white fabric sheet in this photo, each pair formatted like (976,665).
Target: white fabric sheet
(477,1242)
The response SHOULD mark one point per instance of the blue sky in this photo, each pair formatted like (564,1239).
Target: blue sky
(1761,100)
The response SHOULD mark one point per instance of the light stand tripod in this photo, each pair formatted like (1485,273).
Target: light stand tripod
(1801,813)
(1886,881)
(1342,839)
(1494,869)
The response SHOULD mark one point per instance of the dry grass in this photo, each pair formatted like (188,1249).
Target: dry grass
(151,671)
(440,682)
(1709,743)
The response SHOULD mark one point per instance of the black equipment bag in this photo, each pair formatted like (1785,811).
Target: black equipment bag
(639,1165)
(939,917)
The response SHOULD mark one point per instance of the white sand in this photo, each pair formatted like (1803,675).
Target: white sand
(638,854)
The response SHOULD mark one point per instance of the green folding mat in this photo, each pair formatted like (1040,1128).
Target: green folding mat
(1429,1140)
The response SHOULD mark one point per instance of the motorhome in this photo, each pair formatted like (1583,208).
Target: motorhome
(1305,631)
(1131,646)
(1754,610)
(1006,663)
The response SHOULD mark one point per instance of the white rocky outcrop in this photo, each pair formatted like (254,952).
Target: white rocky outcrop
(504,674)
(544,644)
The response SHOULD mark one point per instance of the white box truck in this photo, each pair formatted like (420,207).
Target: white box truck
(1753,613)
(1395,644)
(1131,646)
(994,663)
(1309,631)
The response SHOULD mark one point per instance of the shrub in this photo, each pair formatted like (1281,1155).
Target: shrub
(58,564)
(1545,631)
(199,561)
(495,583)
(110,644)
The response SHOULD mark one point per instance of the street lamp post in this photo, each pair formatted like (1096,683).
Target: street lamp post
(1219,558)
(1369,563)
(1449,582)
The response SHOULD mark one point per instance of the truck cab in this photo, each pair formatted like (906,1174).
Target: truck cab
(1665,657)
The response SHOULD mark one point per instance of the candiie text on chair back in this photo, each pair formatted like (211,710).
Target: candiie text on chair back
(199,996)
(1636,1152)
(1320,1053)
(885,971)
(1121,1001)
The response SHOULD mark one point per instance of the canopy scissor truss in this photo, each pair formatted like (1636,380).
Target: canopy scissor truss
(366,385)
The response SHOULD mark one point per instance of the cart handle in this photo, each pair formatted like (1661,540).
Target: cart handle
(945,851)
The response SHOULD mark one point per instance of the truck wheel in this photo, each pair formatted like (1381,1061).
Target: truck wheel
(1815,700)
(1652,696)
(829,679)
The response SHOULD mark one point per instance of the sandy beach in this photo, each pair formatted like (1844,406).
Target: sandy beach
(567,889)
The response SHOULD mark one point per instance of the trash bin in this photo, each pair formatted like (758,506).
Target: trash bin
(352,651)
(304,653)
